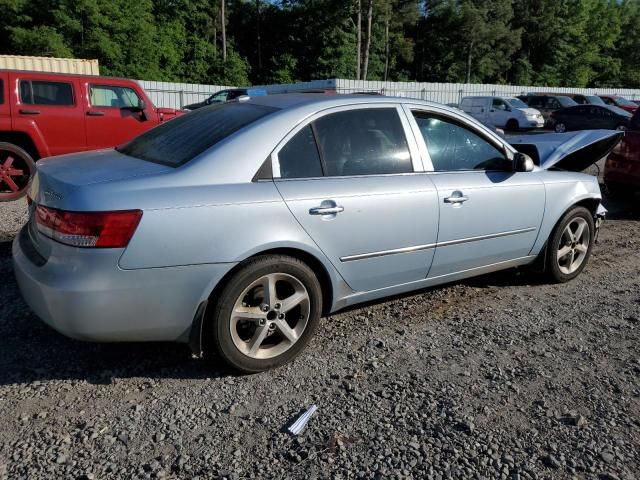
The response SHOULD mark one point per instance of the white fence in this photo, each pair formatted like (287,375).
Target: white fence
(177,95)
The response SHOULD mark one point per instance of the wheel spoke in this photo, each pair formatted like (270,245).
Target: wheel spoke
(579,231)
(581,248)
(563,252)
(288,332)
(269,285)
(257,339)
(572,258)
(293,301)
(249,313)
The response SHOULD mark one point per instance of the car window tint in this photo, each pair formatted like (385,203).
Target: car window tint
(299,158)
(113,96)
(455,147)
(180,140)
(45,93)
(367,141)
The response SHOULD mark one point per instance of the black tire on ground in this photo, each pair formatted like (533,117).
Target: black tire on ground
(560,127)
(558,239)
(512,125)
(223,341)
(16,171)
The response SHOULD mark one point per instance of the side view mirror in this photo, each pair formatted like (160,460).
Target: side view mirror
(508,108)
(140,108)
(522,162)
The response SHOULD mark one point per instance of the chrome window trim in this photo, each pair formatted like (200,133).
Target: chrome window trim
(415,248)
(411,145)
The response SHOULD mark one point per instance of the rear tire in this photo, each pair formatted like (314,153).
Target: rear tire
(266,314)
(16,172)
(570,244)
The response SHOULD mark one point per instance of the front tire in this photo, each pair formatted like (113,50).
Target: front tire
(266,314)
(570,245)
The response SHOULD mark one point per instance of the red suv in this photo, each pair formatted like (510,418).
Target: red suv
(45,114)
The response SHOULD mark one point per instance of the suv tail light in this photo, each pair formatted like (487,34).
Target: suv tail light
(88,229)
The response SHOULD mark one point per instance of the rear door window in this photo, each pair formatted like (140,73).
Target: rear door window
(36,92)
(182,139)
(366,141)
(299,158)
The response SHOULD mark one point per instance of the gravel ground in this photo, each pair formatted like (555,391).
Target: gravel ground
(502,376)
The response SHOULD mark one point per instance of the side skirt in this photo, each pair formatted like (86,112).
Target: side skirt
(361,297)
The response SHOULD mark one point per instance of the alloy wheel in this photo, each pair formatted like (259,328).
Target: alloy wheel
(574,245)
(270,315)
(15,174)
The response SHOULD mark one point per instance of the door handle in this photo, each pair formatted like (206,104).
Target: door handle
(456,198)
(29,112)
(95,114)
(326,210)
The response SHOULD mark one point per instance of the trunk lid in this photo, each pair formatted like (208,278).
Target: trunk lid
(57,177)
(574,151)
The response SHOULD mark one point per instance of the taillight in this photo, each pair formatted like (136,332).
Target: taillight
(88,229)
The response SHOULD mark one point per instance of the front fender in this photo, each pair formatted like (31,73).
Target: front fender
(561,194)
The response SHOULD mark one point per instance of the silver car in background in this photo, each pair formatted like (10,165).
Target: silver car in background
(235,227)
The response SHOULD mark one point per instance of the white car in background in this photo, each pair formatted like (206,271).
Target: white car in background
(509,113)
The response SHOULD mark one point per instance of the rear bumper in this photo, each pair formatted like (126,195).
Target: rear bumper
(83,294)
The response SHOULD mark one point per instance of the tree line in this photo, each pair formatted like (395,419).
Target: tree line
(578,43)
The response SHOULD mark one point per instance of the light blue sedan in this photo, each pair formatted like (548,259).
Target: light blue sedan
(235,227)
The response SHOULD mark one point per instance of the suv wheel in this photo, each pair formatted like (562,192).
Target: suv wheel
(16,170)
(267,313)
(570,245)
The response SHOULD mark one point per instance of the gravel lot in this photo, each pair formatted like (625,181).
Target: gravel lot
(502,376)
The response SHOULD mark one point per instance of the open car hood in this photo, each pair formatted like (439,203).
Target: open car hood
(574,151)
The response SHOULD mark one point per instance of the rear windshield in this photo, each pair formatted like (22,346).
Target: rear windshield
(182,139)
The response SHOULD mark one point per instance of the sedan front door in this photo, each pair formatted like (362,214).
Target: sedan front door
(352,180)
(489,214)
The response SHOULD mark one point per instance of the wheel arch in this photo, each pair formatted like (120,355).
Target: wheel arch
(201,336)
(590,203)
(22,140)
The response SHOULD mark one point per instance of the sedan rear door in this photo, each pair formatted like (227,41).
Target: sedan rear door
(354,181)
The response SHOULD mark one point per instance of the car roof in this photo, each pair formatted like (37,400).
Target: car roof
(293,100)
(62,74)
